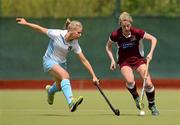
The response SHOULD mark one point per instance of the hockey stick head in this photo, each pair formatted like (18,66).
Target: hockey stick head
(117,112)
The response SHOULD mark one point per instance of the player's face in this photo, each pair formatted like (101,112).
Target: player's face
(77,32)
(126,26)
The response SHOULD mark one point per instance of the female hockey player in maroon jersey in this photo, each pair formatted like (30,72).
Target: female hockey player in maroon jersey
(131,57)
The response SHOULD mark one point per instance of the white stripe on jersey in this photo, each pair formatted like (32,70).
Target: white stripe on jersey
(141,46)
(58,48)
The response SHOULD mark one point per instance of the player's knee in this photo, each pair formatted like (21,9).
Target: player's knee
(65,75)
(149,88)
(130,84)
(149,84)
(130,81)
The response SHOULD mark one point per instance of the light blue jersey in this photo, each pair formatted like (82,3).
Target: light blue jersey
(58,48)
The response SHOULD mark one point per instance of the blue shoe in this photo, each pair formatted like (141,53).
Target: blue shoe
(74,103)
(50,97)
(154,110)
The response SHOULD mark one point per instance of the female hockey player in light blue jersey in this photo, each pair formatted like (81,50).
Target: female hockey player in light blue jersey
(54,60)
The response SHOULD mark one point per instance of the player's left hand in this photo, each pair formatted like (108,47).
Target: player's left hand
(149,57)
(96,80)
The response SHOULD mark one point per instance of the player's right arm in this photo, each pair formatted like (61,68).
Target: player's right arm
(110,54)
(36,27)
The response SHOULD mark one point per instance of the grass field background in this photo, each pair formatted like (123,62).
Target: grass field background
(29,107)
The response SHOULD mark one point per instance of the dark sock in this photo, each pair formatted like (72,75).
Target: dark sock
(150,98)
(133,92)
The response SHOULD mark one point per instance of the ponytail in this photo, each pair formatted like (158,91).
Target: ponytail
(68,21)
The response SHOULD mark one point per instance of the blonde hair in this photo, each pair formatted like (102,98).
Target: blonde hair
(71,25)
(124,16)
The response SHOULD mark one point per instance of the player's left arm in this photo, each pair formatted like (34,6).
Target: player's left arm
(88,66)
(153,41)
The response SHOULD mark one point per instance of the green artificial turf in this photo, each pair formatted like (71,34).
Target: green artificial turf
(29,107)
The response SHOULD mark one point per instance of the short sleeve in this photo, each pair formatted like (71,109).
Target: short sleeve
(140,33)
(113,36)
(77,49)
(53,33)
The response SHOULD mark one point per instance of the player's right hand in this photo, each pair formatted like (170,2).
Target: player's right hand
(113,65)
(21,20)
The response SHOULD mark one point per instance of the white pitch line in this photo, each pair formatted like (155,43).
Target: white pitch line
(82,110)
(43,110)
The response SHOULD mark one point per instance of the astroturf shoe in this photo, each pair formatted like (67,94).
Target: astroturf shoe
(50,97)
(154,110)
(74,103)
(137,102)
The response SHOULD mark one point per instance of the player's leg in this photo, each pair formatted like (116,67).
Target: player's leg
(150,93)
(55,87)
(51,90)
(62,74)
(149,89)
(128,75)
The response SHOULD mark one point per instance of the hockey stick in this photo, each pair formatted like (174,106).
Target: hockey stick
(144,83)
(116,111)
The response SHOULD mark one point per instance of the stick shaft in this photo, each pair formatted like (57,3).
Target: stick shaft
(144,83)
(107,100)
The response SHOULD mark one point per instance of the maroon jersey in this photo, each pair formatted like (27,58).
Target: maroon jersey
(128,47)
